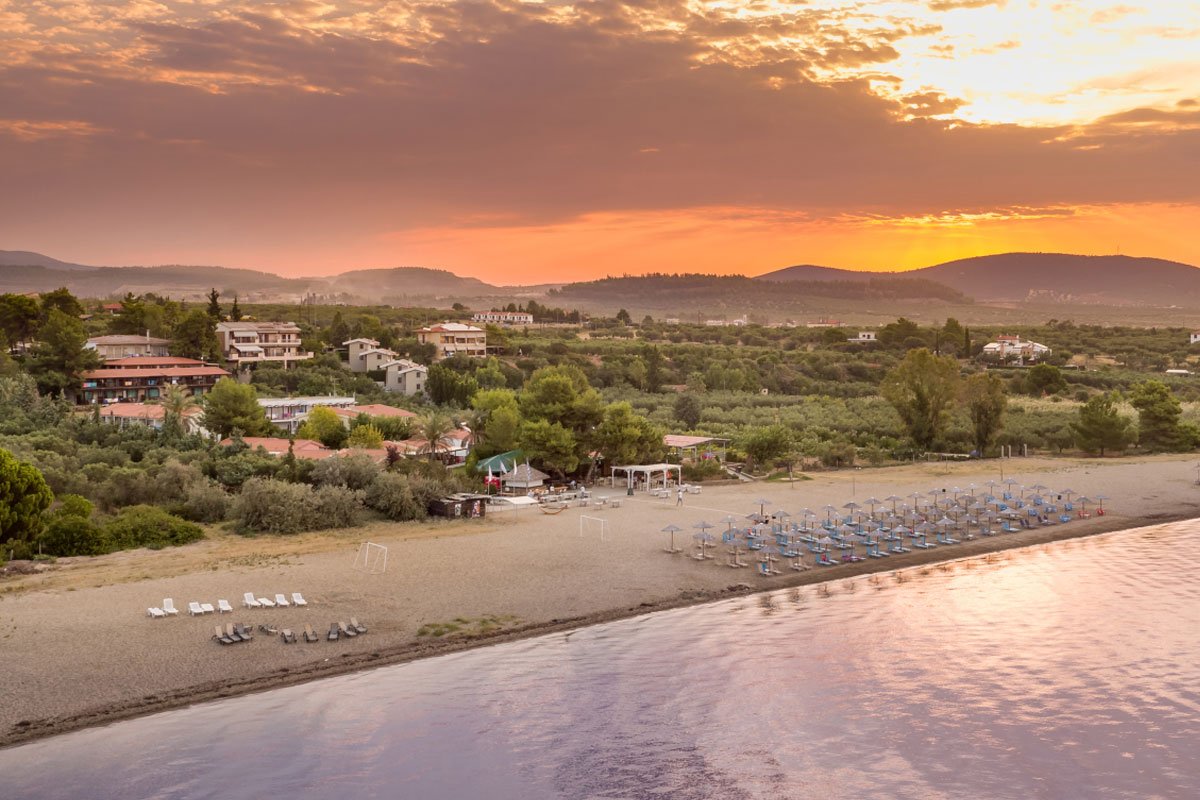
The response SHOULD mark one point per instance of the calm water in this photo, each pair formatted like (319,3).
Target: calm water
(1067,671)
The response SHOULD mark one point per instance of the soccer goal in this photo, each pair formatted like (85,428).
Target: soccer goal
(371,558)
(591,526)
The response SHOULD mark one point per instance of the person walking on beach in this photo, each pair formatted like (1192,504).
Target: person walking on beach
(679,497)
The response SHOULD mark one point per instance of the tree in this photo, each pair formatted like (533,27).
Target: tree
(687,410)
(18,317)
(195,336)
(61,356)
(497,421)
(447,387)
(231,405)
(764,445)
(139,316)
(366,436)
(24,495)
(921,388)
(985,399)
(551,445)
(435,428)
(1045,379)
(624,437)
(325,426)
(623,316)
(1158,417)
(562,395)
(1100,427)
(214,305)
(235,311)
(176,402)
(64,301)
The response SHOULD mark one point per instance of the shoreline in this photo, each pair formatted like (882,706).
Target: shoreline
(26,731)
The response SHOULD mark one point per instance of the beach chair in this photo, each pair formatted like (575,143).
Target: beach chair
(194,609)
(287,636)
(333,632)
(243,631)
(248,601)
(220,636)
(271,629)
(798,564)
(281,601)
(223,607)
(207,608)
(266,602)
(309,634)
(155,613)
(168,607)
(1064,518)
(764,569)
(233,634)
(358,627)
(297,600)
(345,631)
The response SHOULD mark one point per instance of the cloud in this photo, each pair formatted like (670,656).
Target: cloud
(289,122)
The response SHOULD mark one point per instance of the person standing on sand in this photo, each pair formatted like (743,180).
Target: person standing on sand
(679,497)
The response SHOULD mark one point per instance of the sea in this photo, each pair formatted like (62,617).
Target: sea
(1066,670)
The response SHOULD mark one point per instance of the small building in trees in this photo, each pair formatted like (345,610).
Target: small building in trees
(136,379)
(248,343)
(289,413)
(365,355)
(1014,348)
(405,377)
(122,346)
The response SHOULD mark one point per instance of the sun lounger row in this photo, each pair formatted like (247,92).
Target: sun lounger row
(250,601)
(234,633)
(196,609)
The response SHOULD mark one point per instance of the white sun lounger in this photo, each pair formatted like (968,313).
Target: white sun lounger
(207,608)
(155,613)
(297,600)
(268,603)
(249,602)
(168,607)
(281,601)
(194,609)
(223,607)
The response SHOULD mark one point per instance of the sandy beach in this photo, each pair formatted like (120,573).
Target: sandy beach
(78,648)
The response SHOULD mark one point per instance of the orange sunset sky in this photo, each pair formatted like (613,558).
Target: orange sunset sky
(524,142)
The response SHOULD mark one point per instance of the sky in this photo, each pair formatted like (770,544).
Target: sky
(528,142)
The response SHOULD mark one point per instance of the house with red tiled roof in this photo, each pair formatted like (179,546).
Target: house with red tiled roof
(137,379)
(150,415)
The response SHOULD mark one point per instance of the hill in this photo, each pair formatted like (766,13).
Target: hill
(25,272)
(24,258)
(1041,277)
(697,291)
(1097,280)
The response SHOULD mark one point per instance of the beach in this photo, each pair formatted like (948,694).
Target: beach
(79,649)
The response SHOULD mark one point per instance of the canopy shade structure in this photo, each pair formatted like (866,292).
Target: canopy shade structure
(679,444)
(650,472)
(524,476)
(500,463)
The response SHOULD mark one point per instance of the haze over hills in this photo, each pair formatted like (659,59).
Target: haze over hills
(1007,278)
(1042,277)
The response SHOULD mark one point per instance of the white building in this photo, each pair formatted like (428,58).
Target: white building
(367,356)
(289,413)
(1194,337)
(244,343)
(405,377)
(123,346)
(863,337)
(503,317)
(454,338)
(1014,348)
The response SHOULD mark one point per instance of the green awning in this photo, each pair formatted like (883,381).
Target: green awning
(503,462)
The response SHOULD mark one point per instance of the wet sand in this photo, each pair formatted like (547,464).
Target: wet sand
(78,649)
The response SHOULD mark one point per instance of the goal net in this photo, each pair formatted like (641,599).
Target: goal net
(371,558)
(593,526)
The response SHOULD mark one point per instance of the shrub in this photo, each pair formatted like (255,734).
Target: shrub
(148,526)
(334,507)
(707,469)
(272,506)
(354,472)
(392,496)
(204,500)
(72,535)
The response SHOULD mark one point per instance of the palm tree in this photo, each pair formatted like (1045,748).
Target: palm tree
(176,402)
(435,428)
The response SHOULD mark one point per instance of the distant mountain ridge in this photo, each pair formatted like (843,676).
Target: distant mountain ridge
(1047,277)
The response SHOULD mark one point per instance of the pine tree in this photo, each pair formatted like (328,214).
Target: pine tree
(214,304)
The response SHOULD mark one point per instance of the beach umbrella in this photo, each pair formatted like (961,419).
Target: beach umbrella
(872,502)
(829,512)
(893,499)
(1100,498)
(762,505)
(729,520)
(672,529)
(825,542)
(1067,493)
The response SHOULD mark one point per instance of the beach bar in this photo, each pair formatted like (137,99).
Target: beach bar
(648,473)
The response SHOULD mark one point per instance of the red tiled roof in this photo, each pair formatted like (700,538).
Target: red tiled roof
(153,361)
(277,445)
(165,372)
(373,410)
(141,411)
